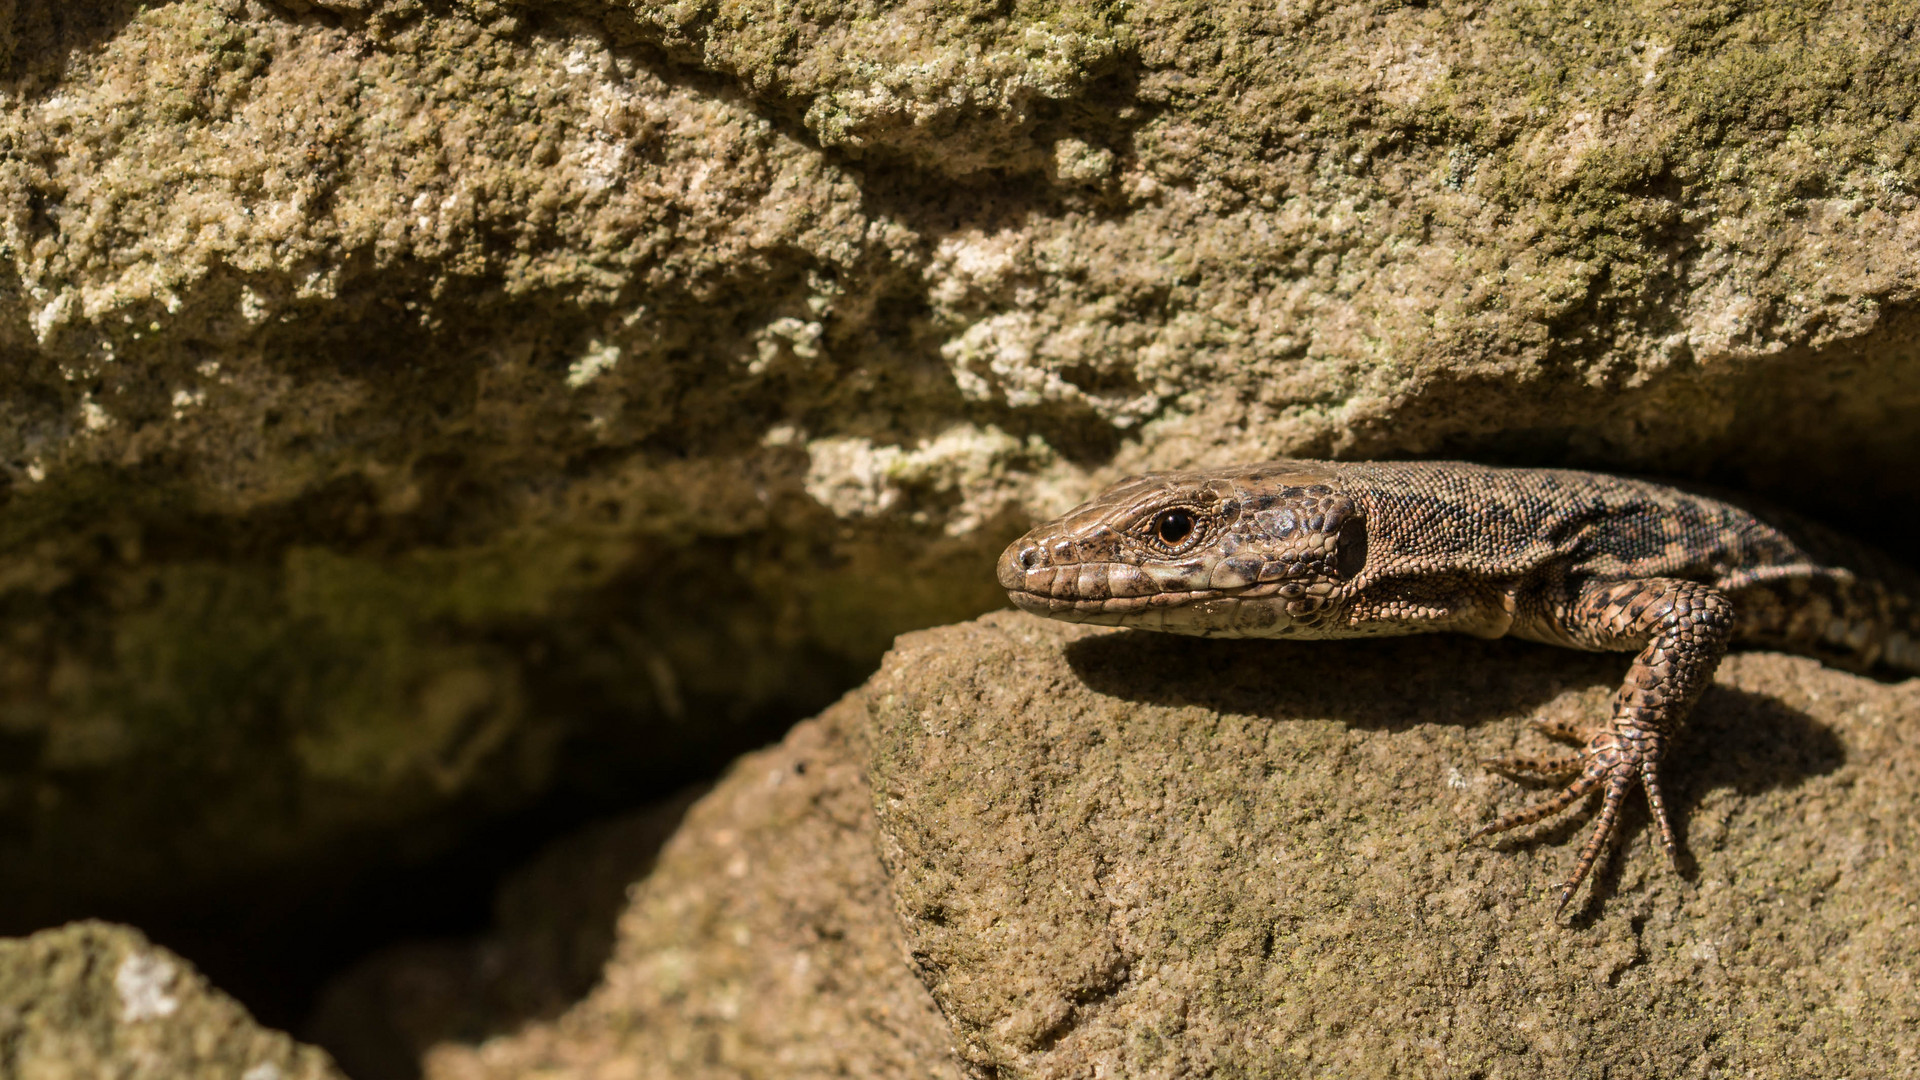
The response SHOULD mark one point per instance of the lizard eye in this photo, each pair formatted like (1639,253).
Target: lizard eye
(1173,526)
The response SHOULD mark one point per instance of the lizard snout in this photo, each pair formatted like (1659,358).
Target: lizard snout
(1020,557)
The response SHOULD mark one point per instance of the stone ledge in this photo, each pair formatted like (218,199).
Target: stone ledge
(1123,854)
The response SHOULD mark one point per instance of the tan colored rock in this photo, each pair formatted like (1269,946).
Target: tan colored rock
(97,1000)
(761,945)
(288,532)
(1125,854)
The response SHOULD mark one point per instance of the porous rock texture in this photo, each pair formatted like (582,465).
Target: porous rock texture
(97,1000)
(408,407)
(1114,853)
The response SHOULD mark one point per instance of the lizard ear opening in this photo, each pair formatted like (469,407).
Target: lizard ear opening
(1350,550)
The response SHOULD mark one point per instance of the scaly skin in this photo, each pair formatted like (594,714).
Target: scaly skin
(1317,549)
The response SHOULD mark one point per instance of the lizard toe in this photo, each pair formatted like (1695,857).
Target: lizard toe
(1565,731)
(1557,767)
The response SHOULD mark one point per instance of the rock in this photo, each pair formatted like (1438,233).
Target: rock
(1125,854)
(374,462)
(413,409)
(95,999)
(761,944)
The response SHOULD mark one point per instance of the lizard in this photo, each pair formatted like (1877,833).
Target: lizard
(1583,560)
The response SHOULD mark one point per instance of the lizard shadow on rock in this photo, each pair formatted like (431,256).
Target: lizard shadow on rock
(1751,742)
(1734,738)
(1391,683)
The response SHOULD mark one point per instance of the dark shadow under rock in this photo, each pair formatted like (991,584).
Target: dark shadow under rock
(759,944)
(554,931)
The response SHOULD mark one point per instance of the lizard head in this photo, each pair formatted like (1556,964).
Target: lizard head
(1258,551)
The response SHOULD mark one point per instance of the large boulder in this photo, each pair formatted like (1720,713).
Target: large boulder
(1110,853)
(1122,854)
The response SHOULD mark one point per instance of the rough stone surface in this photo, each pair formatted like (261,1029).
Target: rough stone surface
(97,1000)
(382,412)
(409,407)
(1125,854)
(762,944)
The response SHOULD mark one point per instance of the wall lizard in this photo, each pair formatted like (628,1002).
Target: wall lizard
(1316,549)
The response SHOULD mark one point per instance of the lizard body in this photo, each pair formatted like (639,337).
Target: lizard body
(1315,549)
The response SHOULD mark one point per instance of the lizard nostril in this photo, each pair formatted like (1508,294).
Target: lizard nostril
(1028,556)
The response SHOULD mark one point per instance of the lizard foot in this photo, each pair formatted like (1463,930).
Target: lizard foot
(1611,762)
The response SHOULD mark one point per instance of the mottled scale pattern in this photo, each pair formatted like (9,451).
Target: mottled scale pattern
(1319,549)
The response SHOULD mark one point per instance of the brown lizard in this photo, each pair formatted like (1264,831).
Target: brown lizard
(1320,549)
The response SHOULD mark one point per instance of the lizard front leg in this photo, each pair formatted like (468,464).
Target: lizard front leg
(1681,629)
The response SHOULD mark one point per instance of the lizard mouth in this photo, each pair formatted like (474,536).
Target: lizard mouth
(1082,591)
(1253,611)
(1077,610)
(1177,597)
